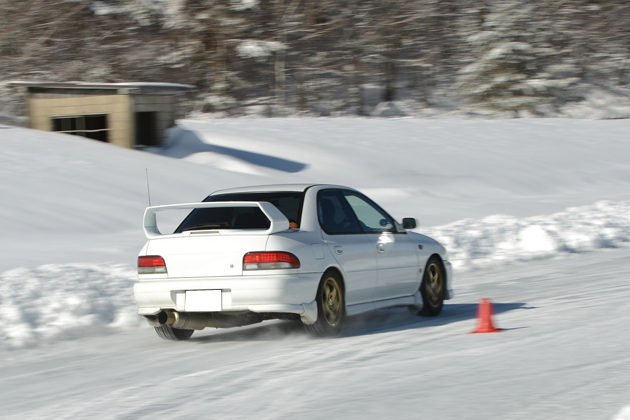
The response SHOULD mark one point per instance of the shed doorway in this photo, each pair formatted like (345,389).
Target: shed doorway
(146,129)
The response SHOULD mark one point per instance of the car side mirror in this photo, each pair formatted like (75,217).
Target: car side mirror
(409,223)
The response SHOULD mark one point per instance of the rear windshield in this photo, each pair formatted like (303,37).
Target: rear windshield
(289,204)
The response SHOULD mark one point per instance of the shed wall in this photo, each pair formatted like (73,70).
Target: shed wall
(118,108)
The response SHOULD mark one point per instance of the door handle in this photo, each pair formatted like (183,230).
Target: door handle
(380,248)
(338,250)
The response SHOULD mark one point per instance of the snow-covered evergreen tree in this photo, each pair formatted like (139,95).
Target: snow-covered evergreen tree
(517,66)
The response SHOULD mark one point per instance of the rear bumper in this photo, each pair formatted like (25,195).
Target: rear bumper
(289,293)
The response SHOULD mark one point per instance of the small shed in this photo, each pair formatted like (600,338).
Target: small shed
(124,114)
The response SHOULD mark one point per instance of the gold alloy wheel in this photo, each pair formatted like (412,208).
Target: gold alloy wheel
(435,284)
(332,301)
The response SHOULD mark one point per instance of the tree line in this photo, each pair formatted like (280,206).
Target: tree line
(342,57)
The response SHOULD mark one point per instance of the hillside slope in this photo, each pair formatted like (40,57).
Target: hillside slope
(84,200)
(72,345)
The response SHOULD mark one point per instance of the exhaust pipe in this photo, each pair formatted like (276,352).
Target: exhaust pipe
(183,321)
(199,321)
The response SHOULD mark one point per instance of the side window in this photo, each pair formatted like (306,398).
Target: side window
(371,217)
(335,216)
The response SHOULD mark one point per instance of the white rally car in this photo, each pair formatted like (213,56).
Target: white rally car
(314,253)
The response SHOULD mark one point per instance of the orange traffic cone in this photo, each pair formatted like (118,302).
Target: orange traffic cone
(484,315)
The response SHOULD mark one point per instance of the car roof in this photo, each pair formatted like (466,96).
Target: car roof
(274,188)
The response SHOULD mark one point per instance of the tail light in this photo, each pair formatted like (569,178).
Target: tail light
(152,264)
(270,261)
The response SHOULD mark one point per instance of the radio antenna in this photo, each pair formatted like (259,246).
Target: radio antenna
(148,190)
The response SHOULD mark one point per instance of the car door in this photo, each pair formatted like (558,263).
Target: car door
(396,255)
(349,245)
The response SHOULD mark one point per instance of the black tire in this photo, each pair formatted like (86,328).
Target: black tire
(174,334)
(433,287)
(330,306)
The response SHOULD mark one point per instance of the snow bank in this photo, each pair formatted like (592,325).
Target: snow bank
(624,414)
(64,302)
(68,301)
(501,239)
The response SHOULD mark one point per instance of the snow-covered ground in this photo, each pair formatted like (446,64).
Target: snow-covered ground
(563,355)
(535,214)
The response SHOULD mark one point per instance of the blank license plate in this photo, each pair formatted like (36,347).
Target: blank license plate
(203,301)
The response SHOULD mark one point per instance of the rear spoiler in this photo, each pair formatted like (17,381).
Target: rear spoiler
(279,222)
